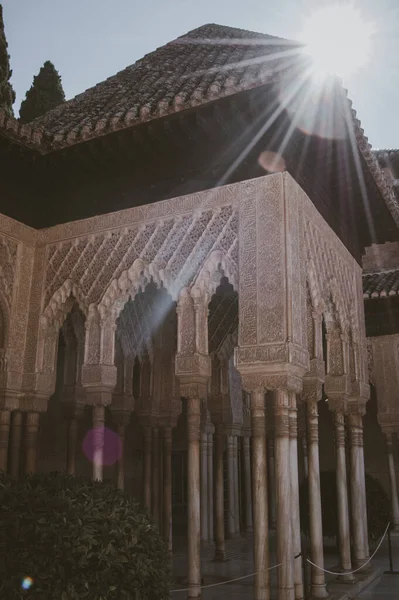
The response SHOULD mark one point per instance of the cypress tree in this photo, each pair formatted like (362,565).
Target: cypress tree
(45,94)
(7,94)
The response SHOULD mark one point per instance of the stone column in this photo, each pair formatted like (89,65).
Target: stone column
(210,486)
(220,552)
(392,481)
(30,438)
(16,436)
(120,464)
(295,515)
(204,486)
(231,525)
(193,481)
(259,494)
(358,487)
(246,449)
(236,487)
(5,418)
(98,416)
(147,467)
(302,437)
(71,412)
(285,554)
(72,432)
(155,489)
(167,487)
(342,495)
(272,480)
(318,584)
(193,367)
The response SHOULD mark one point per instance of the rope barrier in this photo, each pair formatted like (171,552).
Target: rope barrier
(211,585)
(356,570)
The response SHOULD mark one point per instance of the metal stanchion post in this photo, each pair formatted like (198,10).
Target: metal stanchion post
(391,570)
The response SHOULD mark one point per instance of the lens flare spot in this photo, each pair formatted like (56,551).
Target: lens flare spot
(108,440)
(27,583)
(272,162)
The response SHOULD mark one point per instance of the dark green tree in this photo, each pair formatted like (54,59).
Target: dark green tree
(7,94)
(45,94)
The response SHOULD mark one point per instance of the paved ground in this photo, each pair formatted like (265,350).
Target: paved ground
(239,563)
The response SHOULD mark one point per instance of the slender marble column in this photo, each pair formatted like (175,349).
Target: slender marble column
(155,503)
(98,441)
(285,555)
(295,516)
(231,528)
(342,499)
(220,551)
(210,487)
(302,437)
(259,494)
(358,496)
(71,445)
(246,449)
(30,438)
(392,481)
(204,487)
(120,465)
(167,487)
(193,481)
(305,455)
(147,467)
(5,418)
(318,584)
(272,481)
(16,437)
(236,487)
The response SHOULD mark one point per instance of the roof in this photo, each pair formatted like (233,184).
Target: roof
(207,63)
(204,65)
(381,285)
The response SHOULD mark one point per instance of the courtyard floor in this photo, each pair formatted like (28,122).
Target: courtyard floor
(239,563)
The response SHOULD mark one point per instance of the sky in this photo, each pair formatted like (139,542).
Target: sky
(90,40)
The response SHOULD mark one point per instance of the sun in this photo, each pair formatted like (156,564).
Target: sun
(338,38)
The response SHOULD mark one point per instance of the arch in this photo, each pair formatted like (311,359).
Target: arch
(129,283)
(315,294)
(59,306)
(4,322)
(333,291)
(213,270)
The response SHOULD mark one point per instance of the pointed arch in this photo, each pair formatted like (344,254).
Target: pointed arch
(128,284)
(213,270)
(62,301)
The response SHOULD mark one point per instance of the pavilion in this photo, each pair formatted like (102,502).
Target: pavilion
(202,254)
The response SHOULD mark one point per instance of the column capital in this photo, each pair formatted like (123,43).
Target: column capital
(260,382)
(33,403)
(338,405)
(312,390)
(99,381)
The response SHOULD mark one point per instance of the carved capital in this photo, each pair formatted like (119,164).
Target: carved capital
(271,381)
(312,390)
(33,403)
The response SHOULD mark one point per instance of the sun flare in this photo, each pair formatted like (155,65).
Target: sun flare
(338,38)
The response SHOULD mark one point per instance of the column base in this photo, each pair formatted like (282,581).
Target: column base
(318,591)
(220,556)
(363,568)
(395,531)
(346,577)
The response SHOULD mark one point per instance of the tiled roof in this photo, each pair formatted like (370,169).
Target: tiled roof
(381,285)
(24,135)
(207,63)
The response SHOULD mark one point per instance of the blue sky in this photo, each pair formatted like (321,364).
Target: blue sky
(90,40)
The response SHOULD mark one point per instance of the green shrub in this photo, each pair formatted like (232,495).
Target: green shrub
(376,498)
(77,539)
